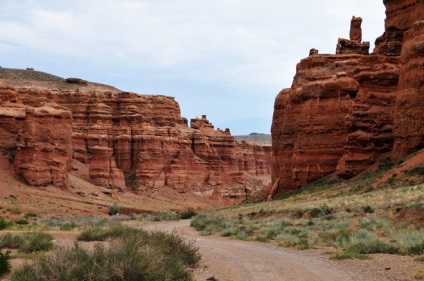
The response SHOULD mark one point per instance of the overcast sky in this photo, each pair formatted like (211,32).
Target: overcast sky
(227,59)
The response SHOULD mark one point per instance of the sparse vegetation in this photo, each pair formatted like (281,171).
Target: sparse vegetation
(416,171)
(4,262)
(132,255)
(352,217)
(114,209)
(10,153)
(27,242)
(4,224)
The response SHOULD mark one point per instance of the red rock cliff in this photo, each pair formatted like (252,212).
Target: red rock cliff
(338,114)
(131,141)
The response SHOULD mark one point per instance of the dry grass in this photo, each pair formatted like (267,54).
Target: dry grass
(351,217)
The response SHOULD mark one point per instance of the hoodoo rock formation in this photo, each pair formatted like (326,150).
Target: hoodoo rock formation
(343,111)
(128,141)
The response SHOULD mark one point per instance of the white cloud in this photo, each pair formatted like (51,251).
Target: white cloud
(248,46)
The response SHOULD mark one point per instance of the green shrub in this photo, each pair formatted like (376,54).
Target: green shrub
(99,233)
(386,164)
(411,241)
(30,215)
(372,247)
(67,226)
(4,224)
(321,211)
(10,154)
(21,222)
(140,255)
(4,262)
(367,209)
(187,214)
(27,242)
(114,209)
(12,241)
(419,170)
(210,224)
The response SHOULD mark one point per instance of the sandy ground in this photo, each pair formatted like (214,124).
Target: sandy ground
(232,260)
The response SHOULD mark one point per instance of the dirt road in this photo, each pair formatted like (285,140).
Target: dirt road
(227,259)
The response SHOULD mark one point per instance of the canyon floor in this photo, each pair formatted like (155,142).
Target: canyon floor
(227,259)
(232,260)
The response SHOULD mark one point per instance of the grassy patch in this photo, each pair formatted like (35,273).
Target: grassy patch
(134,255)
(27,242)
(101,233)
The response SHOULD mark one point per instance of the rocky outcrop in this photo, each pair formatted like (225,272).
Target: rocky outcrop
(400,16)
(354,45)
(409,117)
(343,111)
(137,142)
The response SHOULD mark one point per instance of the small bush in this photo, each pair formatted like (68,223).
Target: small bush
(372,246)
(4,224)
(68,226)
(386,164)
(416,171)
(321,211)
(30,215)
(187,214)
(27,242)
(114,209)
(210,224)
(22,222)
(367,209)
(10,154)
(4,263)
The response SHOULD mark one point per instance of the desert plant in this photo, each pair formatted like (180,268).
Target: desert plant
(10,154)
(419,170)
(138,256)
(101,233)
(368,209)
(4,262)
(4,224)
(30,215)
(210,224)
(114,209)
(187,214)
(21,222)
(27,242)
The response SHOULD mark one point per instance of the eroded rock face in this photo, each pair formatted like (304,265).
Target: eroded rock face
(139,142)
(44,147)
(409,112)
(343,111)
(400,16)
(336,116)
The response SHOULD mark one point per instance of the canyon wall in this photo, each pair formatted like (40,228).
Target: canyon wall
(129,142)
(344,111)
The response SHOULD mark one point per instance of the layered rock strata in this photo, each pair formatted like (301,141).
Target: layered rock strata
(343,111)
(127,141)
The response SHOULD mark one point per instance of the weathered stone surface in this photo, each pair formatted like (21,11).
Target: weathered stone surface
(103,170)
(145,140)
(355,44)
(336,110)
(355,33)
(44,147)
(400,16)
(409,116)
(351,130)
(345,46)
